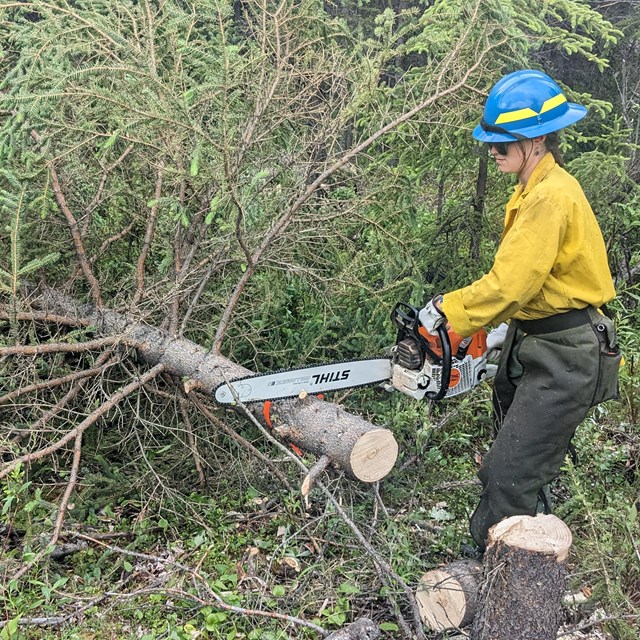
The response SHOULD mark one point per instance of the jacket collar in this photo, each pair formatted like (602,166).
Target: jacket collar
(539,173)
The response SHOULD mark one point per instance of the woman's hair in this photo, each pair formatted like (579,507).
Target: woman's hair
(552,143)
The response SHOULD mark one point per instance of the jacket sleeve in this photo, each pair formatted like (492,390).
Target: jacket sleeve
(524,260)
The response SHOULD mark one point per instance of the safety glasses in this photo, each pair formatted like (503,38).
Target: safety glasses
(501,147)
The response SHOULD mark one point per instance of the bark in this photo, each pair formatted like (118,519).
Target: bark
(524,579)
(363,450)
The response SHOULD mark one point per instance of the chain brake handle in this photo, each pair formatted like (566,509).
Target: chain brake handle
(446,365)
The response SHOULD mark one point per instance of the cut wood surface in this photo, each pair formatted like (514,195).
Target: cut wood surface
(524,579)
(447,595)
(363,450)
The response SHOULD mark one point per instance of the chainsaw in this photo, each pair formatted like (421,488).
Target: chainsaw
(420,365)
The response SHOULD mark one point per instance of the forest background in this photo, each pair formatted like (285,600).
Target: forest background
(268,179)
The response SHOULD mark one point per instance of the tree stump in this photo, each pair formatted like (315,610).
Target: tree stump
(524,579)
(447,595)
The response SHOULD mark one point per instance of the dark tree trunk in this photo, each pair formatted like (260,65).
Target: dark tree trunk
(524,580)
(478,208)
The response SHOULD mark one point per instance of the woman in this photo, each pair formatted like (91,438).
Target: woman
(549,278)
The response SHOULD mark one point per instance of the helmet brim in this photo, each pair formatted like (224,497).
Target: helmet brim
(573,113)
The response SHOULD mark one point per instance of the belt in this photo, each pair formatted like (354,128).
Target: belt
(558,322)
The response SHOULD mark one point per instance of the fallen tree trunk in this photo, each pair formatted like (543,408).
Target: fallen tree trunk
(524,579)
(447,595)
(363,450)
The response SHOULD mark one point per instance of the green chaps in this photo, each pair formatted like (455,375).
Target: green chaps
(543,390)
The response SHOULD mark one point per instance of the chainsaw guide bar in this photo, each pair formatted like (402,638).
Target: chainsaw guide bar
(291,383)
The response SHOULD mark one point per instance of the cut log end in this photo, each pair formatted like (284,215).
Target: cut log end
(373,455)
(446,596)
(544,534)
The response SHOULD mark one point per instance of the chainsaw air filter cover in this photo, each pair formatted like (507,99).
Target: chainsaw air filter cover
(408,354)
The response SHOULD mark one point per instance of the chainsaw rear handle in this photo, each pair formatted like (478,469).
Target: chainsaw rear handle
(405,317)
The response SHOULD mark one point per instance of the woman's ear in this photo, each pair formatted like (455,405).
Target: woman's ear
(539,145)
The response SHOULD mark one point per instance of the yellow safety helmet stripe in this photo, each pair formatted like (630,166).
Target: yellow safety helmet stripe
(513,116)
(523,114)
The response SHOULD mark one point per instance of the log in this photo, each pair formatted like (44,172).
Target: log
(361,629)
(366,452)
(524,579)
(447,595)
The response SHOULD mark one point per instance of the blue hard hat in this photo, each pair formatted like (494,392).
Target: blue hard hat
(525,104)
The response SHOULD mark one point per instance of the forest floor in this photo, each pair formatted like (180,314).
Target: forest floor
(150,552)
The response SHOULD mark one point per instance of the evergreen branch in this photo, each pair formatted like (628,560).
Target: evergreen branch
(35,6)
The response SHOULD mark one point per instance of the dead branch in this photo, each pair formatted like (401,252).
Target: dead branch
(109,241)
(219,424)
(203,581)
(97,198)
(148,238)
(91,419)
(57,382)
(52,318)
(62,510)
(73,229)
(193,447)
(314,473)
(59,347)
(105,359)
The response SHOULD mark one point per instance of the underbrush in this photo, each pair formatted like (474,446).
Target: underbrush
(147,552)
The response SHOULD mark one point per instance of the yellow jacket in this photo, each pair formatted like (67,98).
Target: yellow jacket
(551,258)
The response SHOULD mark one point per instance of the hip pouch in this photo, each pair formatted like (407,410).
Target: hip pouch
(609,360)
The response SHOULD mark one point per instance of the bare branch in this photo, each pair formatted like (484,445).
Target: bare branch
(85,265)
(203,581)
(59,347)
(91,419)
(245,443)
(57,382)
(148,238)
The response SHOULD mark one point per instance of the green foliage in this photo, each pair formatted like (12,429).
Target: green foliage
(11,217)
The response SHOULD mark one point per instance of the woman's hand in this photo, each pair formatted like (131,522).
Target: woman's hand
(431,316)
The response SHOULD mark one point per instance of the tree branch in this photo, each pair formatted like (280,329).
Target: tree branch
(59,347)
(283,222)
(91,419)
(148,238)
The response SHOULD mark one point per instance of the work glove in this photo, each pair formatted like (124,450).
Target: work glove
(430,316)
(495,340)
